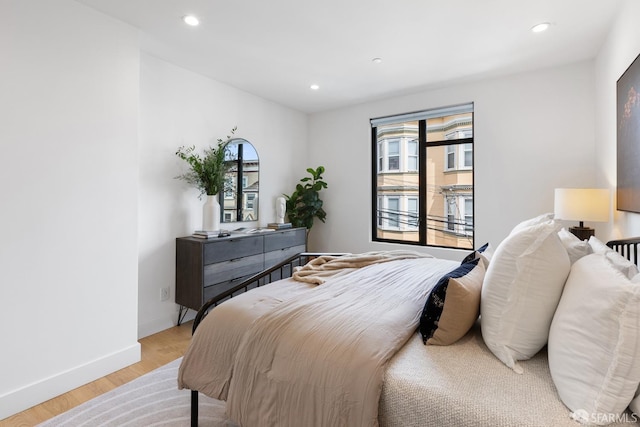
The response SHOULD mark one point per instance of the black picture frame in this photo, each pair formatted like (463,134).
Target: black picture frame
(628,138)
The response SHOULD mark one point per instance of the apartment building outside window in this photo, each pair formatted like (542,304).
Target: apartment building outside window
(423,177)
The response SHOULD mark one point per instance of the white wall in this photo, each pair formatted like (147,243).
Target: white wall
(178,107)
(533,132)
(69,81)
(617,53)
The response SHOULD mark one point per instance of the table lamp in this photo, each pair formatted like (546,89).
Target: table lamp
(582,204)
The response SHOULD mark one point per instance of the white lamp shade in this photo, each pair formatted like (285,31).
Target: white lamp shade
(582,204)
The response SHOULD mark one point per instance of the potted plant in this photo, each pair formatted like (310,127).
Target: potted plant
(304,204)
(208,173)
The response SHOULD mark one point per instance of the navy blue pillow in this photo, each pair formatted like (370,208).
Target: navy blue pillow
(434,306)
(475,254)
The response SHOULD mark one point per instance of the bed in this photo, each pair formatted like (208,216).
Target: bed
(263,352)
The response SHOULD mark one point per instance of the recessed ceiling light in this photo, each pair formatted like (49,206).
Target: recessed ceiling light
(314,87)
(538,28)
(191,20)
(376,60)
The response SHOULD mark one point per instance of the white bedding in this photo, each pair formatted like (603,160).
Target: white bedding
(314,356)
(460,385)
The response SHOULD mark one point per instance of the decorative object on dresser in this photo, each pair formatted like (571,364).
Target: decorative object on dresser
(203,234)
(582,204)
(208,173)
(206,268)
(281,209)
(304,204)
(278,225)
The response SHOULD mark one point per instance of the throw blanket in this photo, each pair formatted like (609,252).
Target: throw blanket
(318,270)
(290,354)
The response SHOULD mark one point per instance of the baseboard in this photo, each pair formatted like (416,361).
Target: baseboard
(160,324)
(33,394)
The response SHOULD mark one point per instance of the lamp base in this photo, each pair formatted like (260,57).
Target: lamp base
(582,233)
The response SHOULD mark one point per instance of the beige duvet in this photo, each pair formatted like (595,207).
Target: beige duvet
(295,354)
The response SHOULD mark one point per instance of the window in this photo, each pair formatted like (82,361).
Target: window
(412,210)
(412,156)
(468,215)
(451,157)
(393,158)
(393,212)
(229,188)
(451,214)
(250,198)
(423,177)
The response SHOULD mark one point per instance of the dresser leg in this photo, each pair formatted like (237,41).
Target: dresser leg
(182,312)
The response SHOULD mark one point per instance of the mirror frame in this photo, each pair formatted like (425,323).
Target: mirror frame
(239,191)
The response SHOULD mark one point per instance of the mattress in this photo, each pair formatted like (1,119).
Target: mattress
(465,385)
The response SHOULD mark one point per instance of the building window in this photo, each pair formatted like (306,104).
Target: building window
(451,157)
(393,212)
(468,215)
(412,210)
(459,214)
(423,177)
(412,156)
(250,198)
(393,159)
(468,155)
(229,188)
(451,213)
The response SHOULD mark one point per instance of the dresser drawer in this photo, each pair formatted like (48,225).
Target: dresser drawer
(274,257)
(224,250)
(232,269)
(285,239)
(218,288)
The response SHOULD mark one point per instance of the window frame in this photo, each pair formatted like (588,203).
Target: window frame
(377,157)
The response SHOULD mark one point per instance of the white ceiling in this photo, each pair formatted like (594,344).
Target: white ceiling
(276,49)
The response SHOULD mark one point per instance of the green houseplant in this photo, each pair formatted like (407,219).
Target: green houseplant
(207,173)
(304,204)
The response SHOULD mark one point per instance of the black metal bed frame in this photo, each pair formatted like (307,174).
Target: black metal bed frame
(279,271)
(626,247)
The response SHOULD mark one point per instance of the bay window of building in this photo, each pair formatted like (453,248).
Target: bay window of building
(423,177)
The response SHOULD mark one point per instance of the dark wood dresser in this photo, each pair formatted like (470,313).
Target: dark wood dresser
(207,267)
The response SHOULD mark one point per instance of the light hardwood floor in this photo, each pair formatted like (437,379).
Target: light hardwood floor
(157,350)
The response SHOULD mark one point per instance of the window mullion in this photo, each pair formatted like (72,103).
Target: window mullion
(422,187)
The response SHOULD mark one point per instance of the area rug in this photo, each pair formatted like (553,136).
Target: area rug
(150,400)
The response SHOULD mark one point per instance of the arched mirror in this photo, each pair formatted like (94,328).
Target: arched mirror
(240,197)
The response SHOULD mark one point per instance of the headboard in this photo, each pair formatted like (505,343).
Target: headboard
(626,247)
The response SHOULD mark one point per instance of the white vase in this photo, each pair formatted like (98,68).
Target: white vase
(211,214)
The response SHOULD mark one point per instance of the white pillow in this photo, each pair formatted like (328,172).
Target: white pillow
(575,247)
(594,340)
(540,219)
(520,292)
(618,262)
